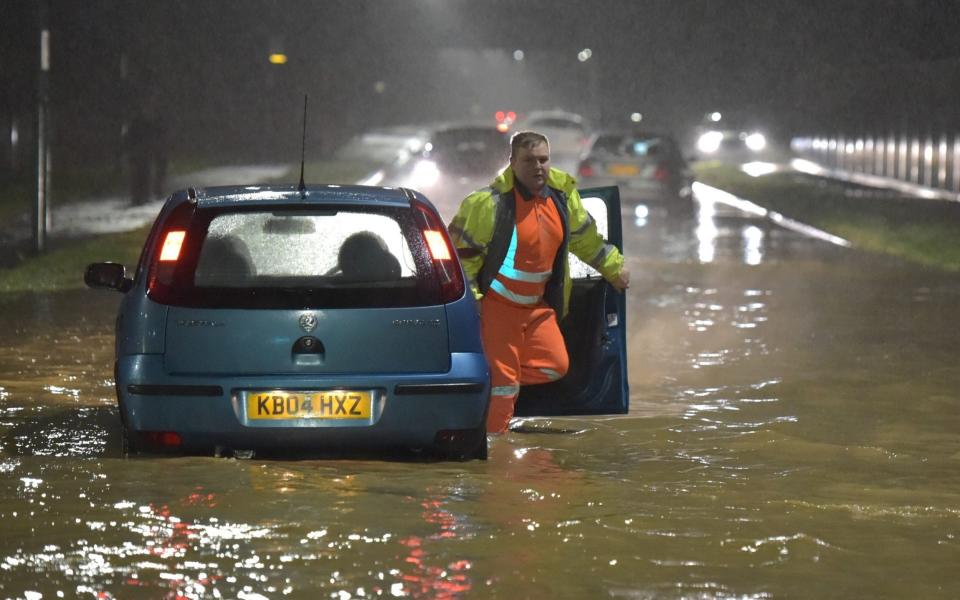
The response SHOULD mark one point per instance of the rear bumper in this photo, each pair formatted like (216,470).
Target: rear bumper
(408,411)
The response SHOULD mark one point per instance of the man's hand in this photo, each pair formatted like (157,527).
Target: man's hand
(622,282)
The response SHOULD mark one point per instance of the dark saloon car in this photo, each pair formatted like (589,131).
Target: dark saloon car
(648,167)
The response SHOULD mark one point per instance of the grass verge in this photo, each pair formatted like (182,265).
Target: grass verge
(62,266)
(918,230)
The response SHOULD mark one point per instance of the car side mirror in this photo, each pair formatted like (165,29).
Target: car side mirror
(107,275)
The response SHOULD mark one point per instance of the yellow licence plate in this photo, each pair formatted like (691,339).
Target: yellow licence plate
(619,169)
(329,404)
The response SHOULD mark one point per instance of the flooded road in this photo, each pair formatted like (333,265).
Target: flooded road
(793,434)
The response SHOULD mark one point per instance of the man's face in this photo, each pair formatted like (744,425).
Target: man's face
(531,166)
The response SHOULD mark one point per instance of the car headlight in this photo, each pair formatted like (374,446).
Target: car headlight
(756,142)
(425,173)
(709,142)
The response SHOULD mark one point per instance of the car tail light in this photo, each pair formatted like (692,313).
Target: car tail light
(170,243)
(661,173)
(437,245)
(162,439)
(586,169)
(452,286)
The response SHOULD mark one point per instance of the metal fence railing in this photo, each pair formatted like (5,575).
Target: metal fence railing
(928,160)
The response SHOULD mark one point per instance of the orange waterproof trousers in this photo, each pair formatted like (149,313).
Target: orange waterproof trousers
(523,346)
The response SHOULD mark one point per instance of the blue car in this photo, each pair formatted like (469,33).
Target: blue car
(336,319)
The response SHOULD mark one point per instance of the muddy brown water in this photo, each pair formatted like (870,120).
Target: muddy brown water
(793,434)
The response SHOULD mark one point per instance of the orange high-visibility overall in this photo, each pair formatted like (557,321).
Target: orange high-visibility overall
(521,336)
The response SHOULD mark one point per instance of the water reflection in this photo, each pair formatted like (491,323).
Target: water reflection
(706,231)
(423,577)
(716,219)
(752,245)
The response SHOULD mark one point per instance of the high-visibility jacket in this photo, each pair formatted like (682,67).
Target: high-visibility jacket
(483,226)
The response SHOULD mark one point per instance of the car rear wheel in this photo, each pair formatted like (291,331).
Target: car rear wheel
(481,453)
(128,445)
(462,444)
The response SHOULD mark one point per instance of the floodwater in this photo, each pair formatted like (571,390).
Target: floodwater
(793,434)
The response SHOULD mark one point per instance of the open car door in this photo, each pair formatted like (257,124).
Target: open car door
(595,332)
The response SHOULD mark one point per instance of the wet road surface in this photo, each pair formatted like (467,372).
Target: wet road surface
(793,434)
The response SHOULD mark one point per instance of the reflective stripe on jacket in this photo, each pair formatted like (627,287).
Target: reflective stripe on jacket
(483,225)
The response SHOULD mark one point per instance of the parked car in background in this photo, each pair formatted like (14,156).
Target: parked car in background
(266,319)
(384,145)
(568,133)
(454,160)
(648,167)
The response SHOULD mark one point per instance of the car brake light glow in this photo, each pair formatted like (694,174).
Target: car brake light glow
(661,173)
(172,244)
(163,439)
(586,169)
(452,285)
(438,245)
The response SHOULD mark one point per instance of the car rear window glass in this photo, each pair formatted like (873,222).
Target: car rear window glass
(300,258)
(634,146)
(644,146)
(607,144)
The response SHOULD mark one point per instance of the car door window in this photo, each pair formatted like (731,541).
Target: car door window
(598,210)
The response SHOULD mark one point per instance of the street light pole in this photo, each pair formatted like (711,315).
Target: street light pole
(593,82)
(43,152)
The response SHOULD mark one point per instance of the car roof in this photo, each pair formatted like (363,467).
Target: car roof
(552,114)
(266,195)
(629,133)
(458,125)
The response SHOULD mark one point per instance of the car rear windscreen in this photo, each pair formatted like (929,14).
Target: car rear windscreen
(305,258)
(638,146)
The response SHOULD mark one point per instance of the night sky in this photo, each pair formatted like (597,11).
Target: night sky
(790,66)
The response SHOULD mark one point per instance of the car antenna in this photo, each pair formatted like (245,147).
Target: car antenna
(302,188)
